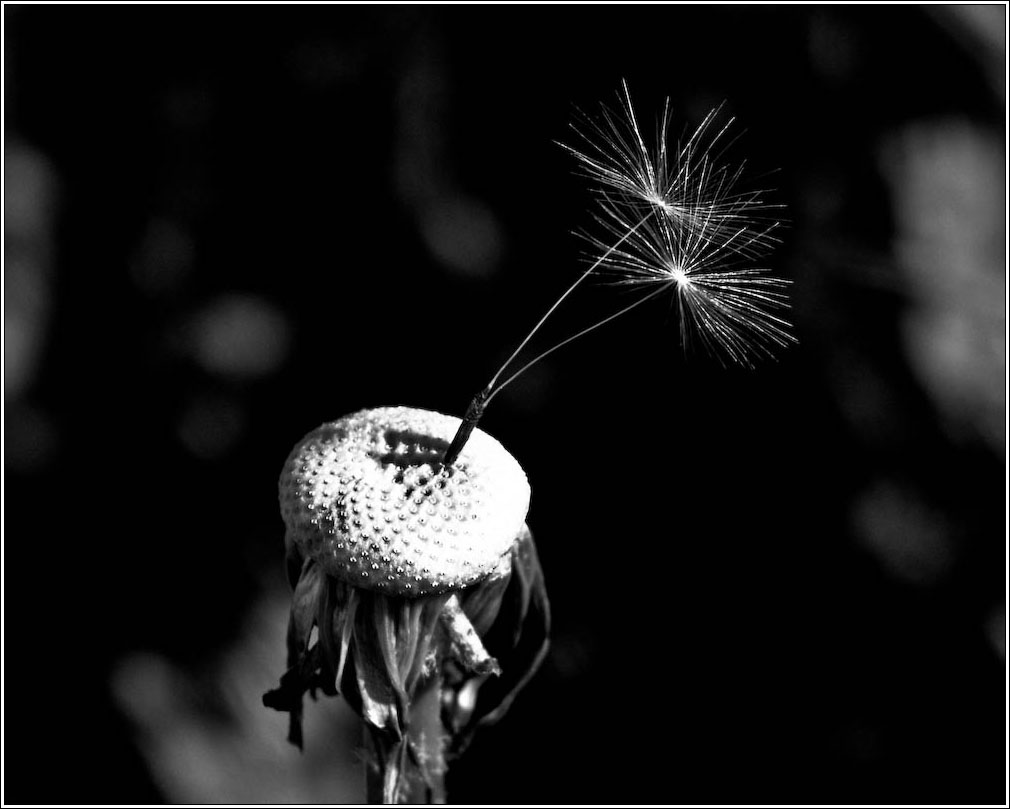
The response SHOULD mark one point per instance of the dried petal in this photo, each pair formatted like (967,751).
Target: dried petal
(298,679)
(346,633)
(385,632)
(464,642)
(431,609)
(519,639)
(293,559)
(304,604)
(481,604)
(379,699)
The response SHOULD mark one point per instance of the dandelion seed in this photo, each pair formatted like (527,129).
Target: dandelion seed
(734,310)
(673,219)
(686,185)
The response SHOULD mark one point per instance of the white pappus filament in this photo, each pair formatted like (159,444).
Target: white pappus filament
(724,303)
(683,224)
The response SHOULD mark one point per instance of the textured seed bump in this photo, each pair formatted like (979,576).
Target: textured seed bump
(392,455)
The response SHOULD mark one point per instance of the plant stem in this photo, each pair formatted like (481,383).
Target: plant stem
(411,770)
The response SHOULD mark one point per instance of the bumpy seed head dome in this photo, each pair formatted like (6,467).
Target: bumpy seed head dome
(368,499)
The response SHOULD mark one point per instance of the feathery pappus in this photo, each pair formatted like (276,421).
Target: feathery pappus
(675,217)
(687,183)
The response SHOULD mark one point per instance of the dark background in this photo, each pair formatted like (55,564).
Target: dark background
(226,225)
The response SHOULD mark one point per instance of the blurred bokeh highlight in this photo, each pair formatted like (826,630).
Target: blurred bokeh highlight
(226,225)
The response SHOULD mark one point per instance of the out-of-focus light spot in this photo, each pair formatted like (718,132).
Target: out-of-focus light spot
(463,234)
(196,758)
(241,336)
(149,686)
(164,257)
(30,190)
(210,427)
(982,32)
(911,540)
(26,308)
(948,184)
